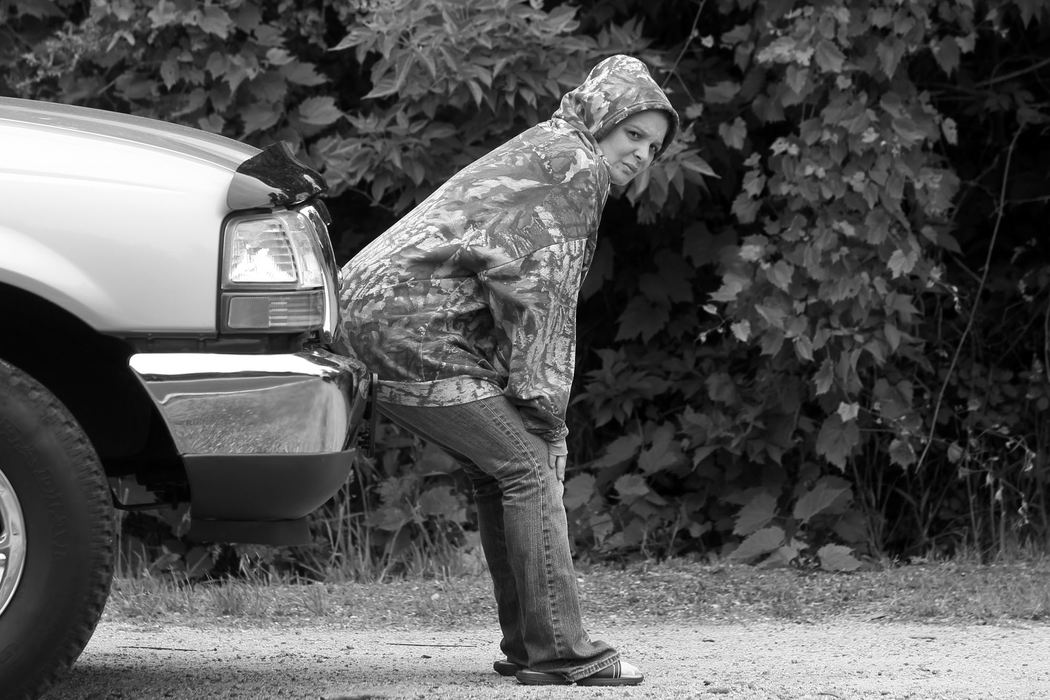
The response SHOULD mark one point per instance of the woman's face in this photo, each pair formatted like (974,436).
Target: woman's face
(632,144)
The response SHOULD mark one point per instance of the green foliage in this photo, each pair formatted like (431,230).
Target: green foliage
(231,67)
(405,512)
(830,322)
(449,81)
(842,210)
(820,516)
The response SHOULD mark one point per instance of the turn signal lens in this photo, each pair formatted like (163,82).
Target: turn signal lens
(273,312)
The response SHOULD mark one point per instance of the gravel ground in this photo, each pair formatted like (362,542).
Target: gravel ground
(337,659)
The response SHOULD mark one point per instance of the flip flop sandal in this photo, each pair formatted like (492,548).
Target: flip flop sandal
(505,668)
(527,676)
(620,673)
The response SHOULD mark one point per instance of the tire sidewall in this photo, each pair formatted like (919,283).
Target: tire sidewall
(59,483)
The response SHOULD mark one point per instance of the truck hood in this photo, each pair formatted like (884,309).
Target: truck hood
(119,219)
(259,178)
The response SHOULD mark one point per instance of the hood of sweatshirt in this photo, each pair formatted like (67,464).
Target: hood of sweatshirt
(617,88)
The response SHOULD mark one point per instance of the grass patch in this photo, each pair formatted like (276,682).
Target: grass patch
(675,591)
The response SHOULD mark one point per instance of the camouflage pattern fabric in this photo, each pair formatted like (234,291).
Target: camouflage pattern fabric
(473,293)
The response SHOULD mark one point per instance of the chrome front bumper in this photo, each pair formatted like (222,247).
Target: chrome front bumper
(304,403)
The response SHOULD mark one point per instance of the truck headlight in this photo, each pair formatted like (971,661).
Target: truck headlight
(278,273)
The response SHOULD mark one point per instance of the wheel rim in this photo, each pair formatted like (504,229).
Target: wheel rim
(12,542)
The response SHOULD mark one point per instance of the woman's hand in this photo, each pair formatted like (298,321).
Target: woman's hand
(557,454)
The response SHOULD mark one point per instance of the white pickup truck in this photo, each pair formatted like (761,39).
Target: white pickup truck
(166,296)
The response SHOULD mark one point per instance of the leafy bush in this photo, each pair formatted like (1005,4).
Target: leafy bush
(835,312)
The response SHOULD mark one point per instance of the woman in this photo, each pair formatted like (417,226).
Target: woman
(466,310)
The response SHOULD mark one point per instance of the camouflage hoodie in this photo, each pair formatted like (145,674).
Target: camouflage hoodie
(473,293)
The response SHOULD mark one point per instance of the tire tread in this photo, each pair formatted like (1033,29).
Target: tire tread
(60,422)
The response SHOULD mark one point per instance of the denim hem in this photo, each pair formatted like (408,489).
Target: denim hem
(593,667)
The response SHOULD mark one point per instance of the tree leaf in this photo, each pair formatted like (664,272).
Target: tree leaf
(820,498)
(259,116)
(213,20)
(733,135)
(755,514)
(439,501)
(837,440)
(890,53)
(780,273)
(771,341)
(902,263)
(631,487)
(825,377)
(319,111)
(902,453)
(829,57)
(691,161)
(782,556)
(852,527)
(677,274)
(797,79)
(741,330)
(721,92)
(662,453)
(835,557)
(946,51)
(620,450)
(642,318)
(732,284)
(893,335)
(217,63)
(578,491)
(848,410)
(389,518)
(302,73)
(758,544)
(169,72)
(721,387)
(1029,9)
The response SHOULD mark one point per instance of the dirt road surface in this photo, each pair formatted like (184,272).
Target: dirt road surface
(332,660)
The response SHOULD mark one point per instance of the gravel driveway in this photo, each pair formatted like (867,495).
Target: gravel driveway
(326,659)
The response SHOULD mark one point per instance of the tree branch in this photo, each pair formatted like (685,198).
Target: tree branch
(1016,74)
(976,302)
(685,46)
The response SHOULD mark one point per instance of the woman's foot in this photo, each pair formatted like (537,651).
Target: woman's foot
(620,673)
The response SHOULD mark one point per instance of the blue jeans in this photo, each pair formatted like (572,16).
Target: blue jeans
(524,532)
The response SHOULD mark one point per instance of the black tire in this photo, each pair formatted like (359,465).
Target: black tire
(57,485)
